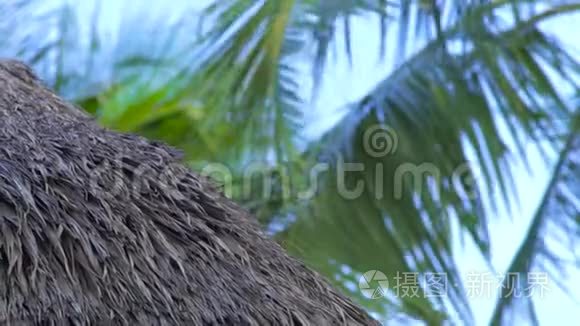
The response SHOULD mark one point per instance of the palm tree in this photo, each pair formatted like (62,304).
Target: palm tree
(228,86)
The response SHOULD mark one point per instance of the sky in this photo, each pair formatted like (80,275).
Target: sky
(343,85)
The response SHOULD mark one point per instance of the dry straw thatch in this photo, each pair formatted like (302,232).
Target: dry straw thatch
(103,228)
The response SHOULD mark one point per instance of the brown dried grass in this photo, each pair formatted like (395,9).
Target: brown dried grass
(90,235)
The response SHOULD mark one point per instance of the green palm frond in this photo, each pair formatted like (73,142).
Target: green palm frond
(322,21)
(248,77)
(131,84)
(439,103)
(429,19)
(474,81)
(537,262)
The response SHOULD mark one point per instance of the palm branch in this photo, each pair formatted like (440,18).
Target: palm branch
(234,96)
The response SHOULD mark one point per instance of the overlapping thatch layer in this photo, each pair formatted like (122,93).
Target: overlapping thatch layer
(98,227)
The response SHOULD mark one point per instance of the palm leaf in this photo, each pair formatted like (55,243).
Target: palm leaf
(537,261)
(248,78)
(322,21)
(236,97)
(439,103)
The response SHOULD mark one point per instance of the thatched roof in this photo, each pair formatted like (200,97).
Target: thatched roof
(98,227)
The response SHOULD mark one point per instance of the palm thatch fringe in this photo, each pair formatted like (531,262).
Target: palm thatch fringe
(103,228)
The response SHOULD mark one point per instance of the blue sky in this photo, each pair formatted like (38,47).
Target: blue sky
(343,85)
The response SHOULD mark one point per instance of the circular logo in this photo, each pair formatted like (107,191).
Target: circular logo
(380,140)
(373,284)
